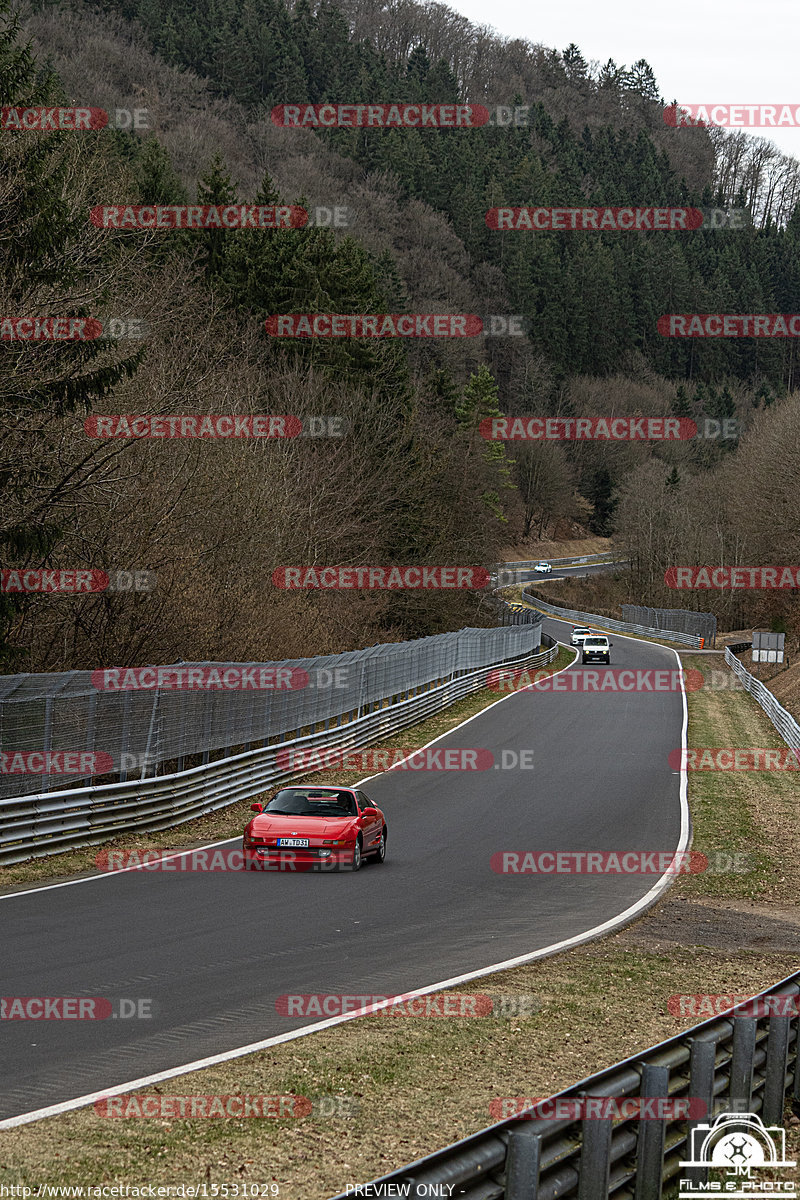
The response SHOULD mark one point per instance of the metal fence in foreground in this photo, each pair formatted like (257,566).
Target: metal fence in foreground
(733,1063)
(783,721)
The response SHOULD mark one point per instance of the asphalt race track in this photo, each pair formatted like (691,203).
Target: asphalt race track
(213,951)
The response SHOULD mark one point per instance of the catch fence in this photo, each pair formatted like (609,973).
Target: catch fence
(704,624)
(379,697)
(594,619)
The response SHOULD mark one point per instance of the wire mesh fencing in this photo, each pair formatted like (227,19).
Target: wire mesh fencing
(703,624)
(94,727)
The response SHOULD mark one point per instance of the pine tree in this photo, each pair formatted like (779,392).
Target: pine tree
(156,178)
(576,66)
(216,187)
(681,407)
(479,401)
(48,256)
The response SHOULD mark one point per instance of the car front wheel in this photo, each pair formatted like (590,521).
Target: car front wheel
(380,853)
(355,864)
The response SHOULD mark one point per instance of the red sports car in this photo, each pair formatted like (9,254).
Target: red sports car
(323,827)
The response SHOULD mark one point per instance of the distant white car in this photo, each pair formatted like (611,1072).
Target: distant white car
(543,568)
(578,634)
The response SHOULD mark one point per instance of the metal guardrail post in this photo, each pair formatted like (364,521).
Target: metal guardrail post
(523,1162)
(650,1145)
(741,1071)
(127,703)
(595,1165)
(575,1157)
(702,1063)
(153,714)
(775,1071)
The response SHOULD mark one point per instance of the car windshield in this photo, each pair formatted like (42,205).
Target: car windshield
(583,631)
(308,802)
(593,641)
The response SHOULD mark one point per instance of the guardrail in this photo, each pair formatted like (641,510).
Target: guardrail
(734,1063)
(51,822)
(783,721)
(609,556)
(581,618)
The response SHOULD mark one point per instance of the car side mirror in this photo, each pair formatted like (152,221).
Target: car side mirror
(256,808)
(370,811)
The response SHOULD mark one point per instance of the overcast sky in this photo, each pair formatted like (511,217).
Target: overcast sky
(720,51)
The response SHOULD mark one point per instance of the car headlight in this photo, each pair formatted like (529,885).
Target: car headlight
(335,842)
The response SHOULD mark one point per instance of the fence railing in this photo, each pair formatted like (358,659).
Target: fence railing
(736,1063)
(51,822)
(609,556)
(783,721)
(582,618)
(113,725)
(704,624)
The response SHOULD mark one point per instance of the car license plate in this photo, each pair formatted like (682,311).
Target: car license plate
(292,841)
